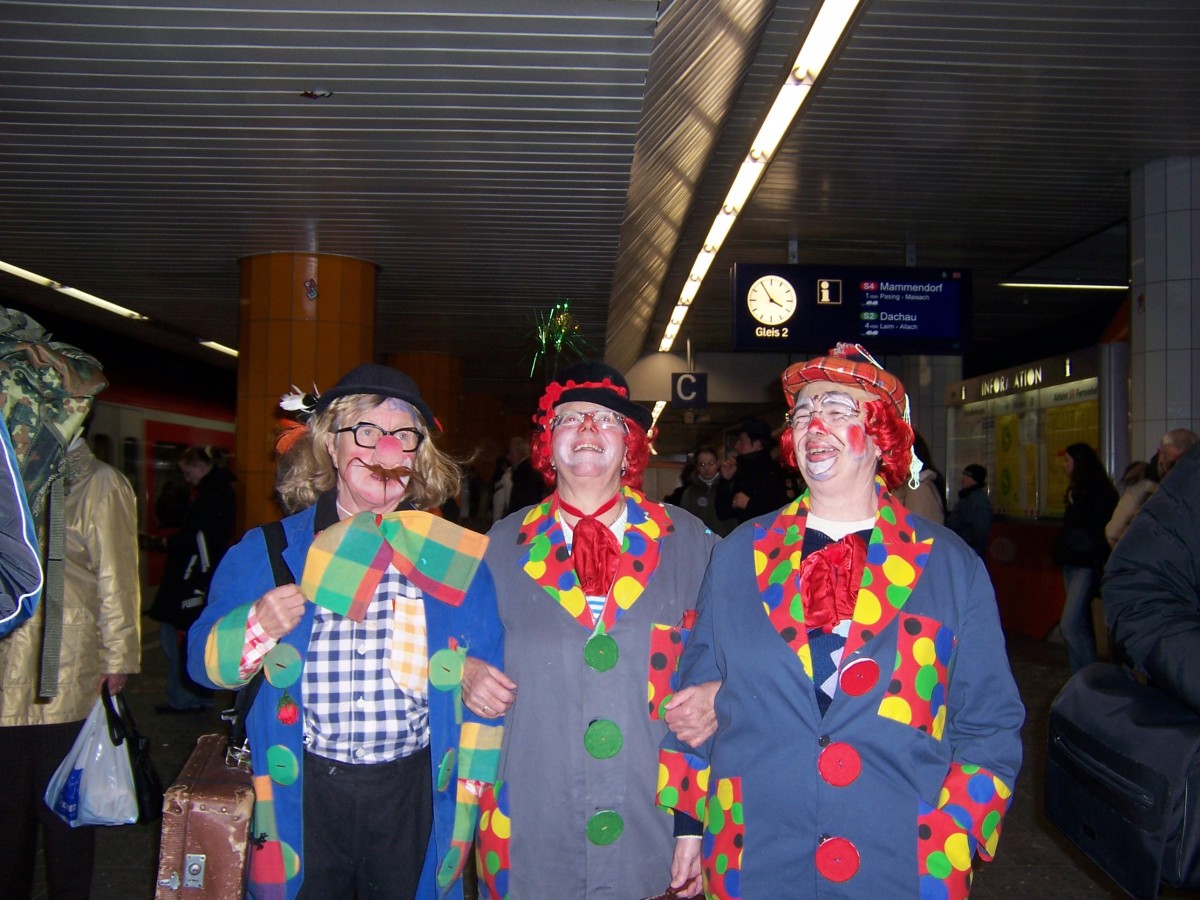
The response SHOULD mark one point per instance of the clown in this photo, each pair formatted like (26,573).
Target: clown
(367,767)
(868,724)
(595,586)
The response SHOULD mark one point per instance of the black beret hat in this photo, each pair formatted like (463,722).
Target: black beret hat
(382,381)
(595,382)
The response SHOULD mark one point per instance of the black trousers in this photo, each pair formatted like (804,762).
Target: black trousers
(366,828)
(29,754)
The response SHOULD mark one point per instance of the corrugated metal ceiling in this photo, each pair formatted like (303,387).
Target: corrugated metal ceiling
(494,159)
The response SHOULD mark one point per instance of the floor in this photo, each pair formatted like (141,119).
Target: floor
(1034,860)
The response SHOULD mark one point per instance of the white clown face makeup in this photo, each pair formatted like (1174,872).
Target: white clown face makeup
(833,450)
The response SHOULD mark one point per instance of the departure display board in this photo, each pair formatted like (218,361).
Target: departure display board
(796,309)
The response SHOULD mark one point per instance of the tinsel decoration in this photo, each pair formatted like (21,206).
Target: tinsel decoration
(556,336)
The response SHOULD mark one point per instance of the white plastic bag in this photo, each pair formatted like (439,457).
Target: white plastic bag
(94,783)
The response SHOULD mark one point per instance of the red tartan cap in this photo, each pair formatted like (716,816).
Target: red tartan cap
(848,364)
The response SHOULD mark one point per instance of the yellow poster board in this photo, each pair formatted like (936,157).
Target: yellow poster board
(1078,423)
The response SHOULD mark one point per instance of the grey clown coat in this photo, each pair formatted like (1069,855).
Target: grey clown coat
(554,785)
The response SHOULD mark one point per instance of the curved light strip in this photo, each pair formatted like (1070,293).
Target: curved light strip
(822,38)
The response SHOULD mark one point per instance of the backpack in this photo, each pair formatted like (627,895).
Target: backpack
(46,393)
(20,557)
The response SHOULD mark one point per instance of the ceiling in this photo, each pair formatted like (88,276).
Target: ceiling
(497,158)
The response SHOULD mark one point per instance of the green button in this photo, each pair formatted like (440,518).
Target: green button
(600,652)
(445,669)
(282,765)
(445,770)
(603,739)
(605,827)
(281,665)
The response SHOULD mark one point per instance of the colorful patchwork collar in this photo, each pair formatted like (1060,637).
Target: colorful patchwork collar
(895,562)
(347,560)
(548,562)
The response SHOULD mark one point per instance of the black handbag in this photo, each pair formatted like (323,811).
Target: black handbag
(1122,777)
(123,730)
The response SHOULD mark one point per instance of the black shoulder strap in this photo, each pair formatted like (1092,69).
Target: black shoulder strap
(276,543)
(276,540)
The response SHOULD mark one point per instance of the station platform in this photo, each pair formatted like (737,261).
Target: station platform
(1034,860)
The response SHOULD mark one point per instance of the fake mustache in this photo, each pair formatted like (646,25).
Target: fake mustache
(394,474)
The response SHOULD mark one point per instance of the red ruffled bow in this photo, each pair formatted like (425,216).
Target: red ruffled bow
(829,582)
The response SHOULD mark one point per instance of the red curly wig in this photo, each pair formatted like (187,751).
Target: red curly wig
(637,454)
(891,434)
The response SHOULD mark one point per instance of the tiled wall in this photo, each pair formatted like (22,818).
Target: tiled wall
(1165,276)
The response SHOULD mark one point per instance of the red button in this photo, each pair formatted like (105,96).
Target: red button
(859,677)
(839,764)
(837,859)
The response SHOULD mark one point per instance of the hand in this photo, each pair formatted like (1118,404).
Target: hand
(115,683)
(486,690)
(728,467)
(691,713)
(686,880)
(740,500)
(279,609)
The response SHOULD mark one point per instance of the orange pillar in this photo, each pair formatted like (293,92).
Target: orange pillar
(439,376)
(306,319)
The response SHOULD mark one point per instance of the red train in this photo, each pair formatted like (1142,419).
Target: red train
(142,431)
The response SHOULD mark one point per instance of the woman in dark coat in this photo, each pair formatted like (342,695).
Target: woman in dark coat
(1082,549)
(192,554)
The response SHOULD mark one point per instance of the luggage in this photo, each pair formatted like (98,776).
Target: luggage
(1123,777)
(206,827)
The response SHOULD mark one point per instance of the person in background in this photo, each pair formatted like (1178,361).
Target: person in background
(699,494)
(685,478)
(752,483)
(527,485)
(928,498)
(501,487)
(192,555)
(1081,548)
(367,768)
(596,587)
(1151,586)
(868,736)
(1173,445)
(971,517)
(101,644)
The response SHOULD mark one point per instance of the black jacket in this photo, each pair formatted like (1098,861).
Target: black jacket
(1151,587)
(194,551)
(1081,541)
(761,479)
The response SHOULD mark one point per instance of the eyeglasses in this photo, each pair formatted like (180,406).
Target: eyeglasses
(832,408)
(367,435)
(604,419)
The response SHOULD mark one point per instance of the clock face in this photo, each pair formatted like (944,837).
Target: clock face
(771,300)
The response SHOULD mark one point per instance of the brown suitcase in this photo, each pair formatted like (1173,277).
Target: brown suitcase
(205,827)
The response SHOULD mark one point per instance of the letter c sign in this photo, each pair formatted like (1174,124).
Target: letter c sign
(689,390)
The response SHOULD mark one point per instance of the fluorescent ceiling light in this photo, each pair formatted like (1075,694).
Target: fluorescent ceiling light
(827,29)
(220,348)
(27,275)
(1047,286)
(74,293)
(92,299)
(101,302)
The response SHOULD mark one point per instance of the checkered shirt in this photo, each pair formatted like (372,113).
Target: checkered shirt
(354,711)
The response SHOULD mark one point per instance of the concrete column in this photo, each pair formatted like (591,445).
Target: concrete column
(306,319)
(1164,221)
(926,379)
